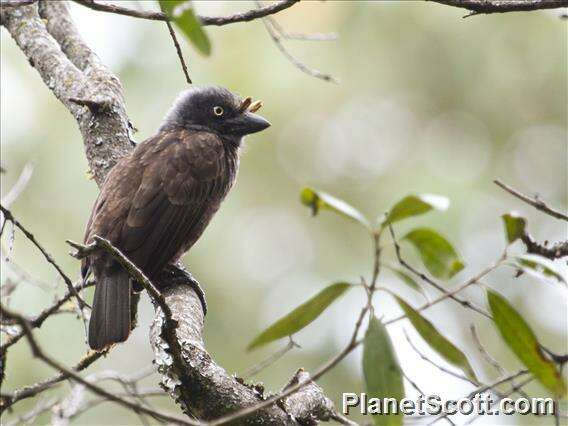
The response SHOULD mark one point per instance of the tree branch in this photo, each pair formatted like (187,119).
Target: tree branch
(10,217)
(30,391)
(247,16)
(37,321)
(555,251)
(502,6)
(535,202)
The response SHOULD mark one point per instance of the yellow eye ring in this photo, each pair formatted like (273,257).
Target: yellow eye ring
(218,111)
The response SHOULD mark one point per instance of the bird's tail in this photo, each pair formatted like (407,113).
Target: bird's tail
(110,317)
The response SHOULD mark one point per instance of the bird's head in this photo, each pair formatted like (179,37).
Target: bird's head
(215,109)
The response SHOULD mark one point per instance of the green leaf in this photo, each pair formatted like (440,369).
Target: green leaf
(523,342)
(184,17)
(382,372)
(436,252)
(405,278)
(514,226)
(538,266)
(318,200)
(301,316)
(438,342)
(415,205)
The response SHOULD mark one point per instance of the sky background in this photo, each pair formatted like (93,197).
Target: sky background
(427,103)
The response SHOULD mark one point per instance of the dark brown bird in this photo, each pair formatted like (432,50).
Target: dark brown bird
(156,202)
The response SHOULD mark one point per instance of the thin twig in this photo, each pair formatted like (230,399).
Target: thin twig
(439,367)
(257,368)
(46,255)
(135,272)
(247,16)
(491,386)
(301,36)
(277,39)
(33,390)
(41,407)
(535,202)
(73,402)
(486,355)
(179,52)
(19,186)
(94,402)
(421,392)
(38,320)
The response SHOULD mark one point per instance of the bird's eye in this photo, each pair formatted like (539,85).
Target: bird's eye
(218,111)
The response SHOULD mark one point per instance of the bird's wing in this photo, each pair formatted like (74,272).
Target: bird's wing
(111,206)
(182,182)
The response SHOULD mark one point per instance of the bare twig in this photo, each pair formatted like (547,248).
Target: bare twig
(439,367)
(37,321)
(535,202)
(134,271)
(486,355)
(142,393)
(277,39)
(9,216)
(73,403)
(421,392)
(179,52)
(247,16)
(257,368)
(492,386)
(37,388)
(300,36)
(19,186)
(41,407)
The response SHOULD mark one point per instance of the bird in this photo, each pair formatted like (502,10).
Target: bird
(156,201)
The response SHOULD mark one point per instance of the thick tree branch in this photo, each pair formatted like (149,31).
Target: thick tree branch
(46,35)
(502,6)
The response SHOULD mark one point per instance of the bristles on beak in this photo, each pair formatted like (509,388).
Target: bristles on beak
(255,106)
(245,104)
(249,105)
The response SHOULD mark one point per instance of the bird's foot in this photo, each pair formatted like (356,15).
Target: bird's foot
(178,275)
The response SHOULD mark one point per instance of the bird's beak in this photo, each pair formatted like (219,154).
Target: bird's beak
(249,123)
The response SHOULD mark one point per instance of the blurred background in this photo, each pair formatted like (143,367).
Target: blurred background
(428,102)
